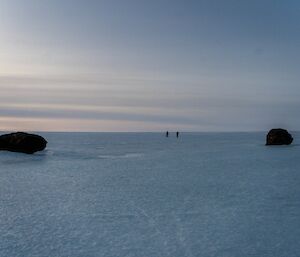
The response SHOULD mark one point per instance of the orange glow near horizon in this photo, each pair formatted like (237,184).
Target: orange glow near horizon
(78,125)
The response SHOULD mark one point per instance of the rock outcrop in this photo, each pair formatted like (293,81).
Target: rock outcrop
(22,142)
(279,137)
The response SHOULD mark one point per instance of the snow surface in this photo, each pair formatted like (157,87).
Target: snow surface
(144,195)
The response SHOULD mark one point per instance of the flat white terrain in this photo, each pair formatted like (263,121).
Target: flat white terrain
(145,195)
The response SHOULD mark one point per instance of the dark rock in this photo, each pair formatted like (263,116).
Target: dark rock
(22,142)
(279,137)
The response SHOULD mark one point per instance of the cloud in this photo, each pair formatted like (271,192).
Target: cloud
(133,100)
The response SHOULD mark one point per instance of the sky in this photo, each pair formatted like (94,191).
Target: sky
(139,65)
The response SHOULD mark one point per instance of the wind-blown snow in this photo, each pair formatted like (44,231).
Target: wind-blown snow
(144,195)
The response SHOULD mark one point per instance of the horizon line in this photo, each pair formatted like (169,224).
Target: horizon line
(140,132)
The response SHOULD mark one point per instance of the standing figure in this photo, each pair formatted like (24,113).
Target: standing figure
(167,134)
(177,134)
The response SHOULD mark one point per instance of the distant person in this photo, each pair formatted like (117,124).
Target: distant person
(167,134)
(177,134)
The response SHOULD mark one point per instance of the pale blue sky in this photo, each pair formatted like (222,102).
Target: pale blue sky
(136,65)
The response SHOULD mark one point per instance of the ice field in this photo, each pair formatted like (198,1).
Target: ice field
(145,195)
